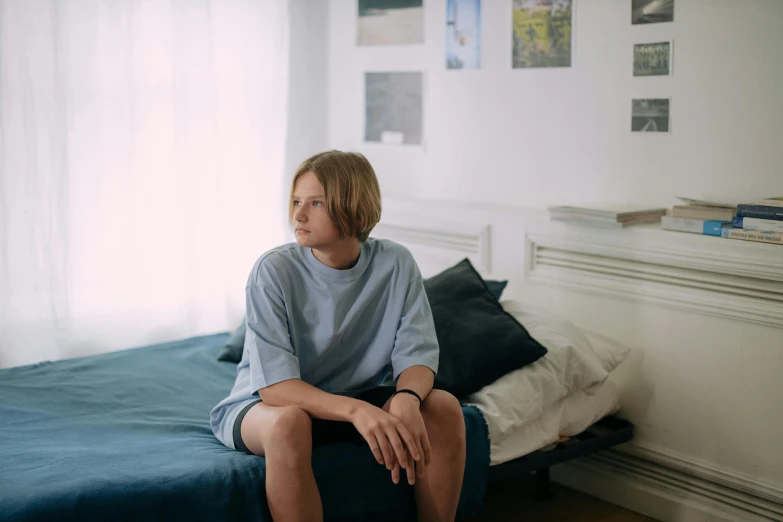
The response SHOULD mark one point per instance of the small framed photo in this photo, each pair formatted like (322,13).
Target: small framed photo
(652,59)
(393,104)
(390,22)
(463,34)
(652,11)
(541,33)
(651,115)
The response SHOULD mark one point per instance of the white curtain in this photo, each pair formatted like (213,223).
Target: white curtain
(142,150)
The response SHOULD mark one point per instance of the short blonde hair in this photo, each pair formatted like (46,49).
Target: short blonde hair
(351,190)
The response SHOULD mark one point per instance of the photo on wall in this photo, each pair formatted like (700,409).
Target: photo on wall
(541,33)
(652,11)
(393,107)
(652,59)
(650,115)
(463,34)
(390,22)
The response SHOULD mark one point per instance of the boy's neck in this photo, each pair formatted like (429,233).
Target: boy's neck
(341,256)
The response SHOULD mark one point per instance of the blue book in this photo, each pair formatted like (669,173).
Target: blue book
(694,226)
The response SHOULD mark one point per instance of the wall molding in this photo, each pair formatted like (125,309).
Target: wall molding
(670,488)
(715,276)
(472,241)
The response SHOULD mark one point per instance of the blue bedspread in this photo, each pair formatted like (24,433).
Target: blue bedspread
(126,435)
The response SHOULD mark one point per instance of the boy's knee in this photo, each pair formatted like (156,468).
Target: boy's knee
(441,407)
(442,413)
(291,427)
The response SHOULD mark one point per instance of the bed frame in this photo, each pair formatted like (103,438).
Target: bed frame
(604,434)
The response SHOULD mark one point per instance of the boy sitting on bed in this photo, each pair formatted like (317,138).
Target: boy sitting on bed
(333,321)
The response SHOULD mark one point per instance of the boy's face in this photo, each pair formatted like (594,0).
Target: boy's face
(312,225)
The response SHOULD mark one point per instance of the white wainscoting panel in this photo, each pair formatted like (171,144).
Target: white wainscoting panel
(668,487)
(710,275)
(438,244)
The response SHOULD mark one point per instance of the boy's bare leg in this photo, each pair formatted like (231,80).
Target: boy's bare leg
(437,492)
(284,436)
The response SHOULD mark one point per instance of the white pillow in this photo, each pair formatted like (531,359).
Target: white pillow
(610,352)
(572,363)
(569,349)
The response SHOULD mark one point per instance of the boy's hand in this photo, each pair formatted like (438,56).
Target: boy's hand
(406,408)
(385,435)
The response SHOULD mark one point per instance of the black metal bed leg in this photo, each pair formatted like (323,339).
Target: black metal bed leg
(543,484)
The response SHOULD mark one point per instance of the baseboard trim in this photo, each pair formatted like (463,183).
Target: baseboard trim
(670,488)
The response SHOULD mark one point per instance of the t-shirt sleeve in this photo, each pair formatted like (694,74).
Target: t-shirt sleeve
(267,341)
(416,342)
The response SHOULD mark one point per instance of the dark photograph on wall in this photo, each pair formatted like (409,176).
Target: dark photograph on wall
(652,59)
(650,115)
(390,22)
(652,11)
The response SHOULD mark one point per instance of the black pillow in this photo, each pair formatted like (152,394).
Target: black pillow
(232,350)
(479,341)
(496,288)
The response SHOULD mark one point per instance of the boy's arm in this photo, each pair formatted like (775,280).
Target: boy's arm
(322,405)
(319,404)
(416,343)
(415,362)
(417,378)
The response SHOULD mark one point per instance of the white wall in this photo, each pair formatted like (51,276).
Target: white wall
(542,136)
(307,83)
(529,138)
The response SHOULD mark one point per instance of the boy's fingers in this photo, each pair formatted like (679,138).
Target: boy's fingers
(399,449)
(411,473)
(386,450)
(409,441)
(420,468)
(376,450)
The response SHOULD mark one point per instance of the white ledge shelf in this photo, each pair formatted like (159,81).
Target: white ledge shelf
(712,275)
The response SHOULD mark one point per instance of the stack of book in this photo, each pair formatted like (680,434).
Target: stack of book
(760,221)
(607,215)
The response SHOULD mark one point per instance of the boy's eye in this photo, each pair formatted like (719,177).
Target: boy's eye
(318,203)
(297,203)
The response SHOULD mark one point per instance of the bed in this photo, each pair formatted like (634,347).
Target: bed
(125,435)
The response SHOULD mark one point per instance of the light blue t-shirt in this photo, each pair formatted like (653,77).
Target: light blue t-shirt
(341,331)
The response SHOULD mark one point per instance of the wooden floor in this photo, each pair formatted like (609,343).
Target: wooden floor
(508,502)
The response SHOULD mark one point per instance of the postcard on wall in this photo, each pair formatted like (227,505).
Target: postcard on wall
(390,22)
(541,33)
(652,59)
(650,115)
(463,34)
(393,107)
(652,11)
